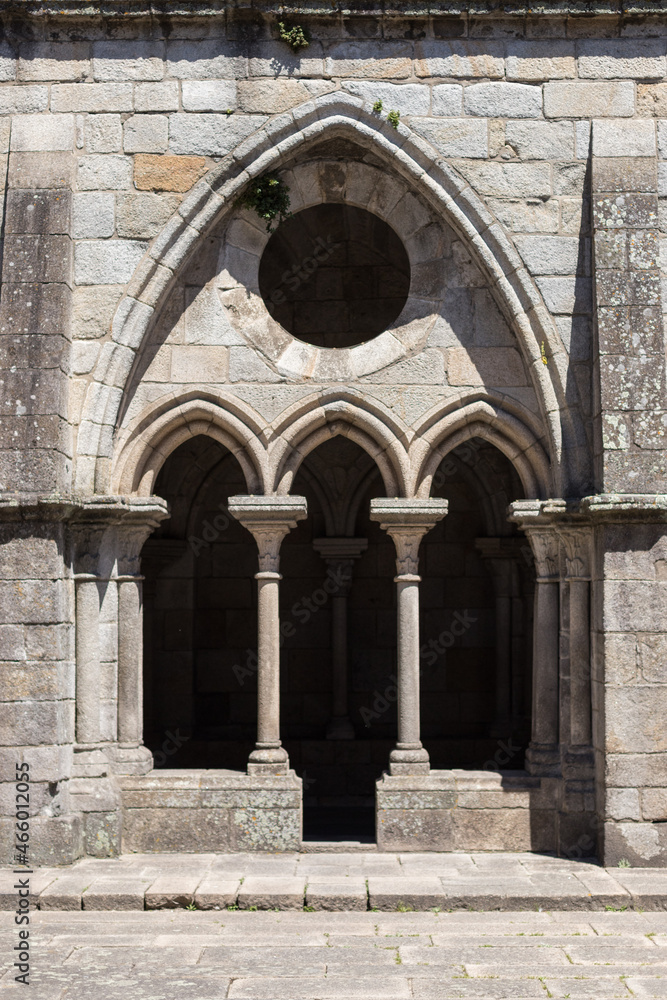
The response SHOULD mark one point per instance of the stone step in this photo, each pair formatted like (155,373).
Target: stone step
(343,880)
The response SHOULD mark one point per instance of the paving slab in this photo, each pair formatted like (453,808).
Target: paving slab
(114,894)
(375,987)
(216,892)
(346,894)
(268,893)
(172,890)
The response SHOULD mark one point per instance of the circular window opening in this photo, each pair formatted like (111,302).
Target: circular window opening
(334,275)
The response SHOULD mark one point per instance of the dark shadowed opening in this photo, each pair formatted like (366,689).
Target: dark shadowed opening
(334,275)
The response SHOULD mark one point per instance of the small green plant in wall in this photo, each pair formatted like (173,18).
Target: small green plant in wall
(393,118)
(296,36)
(268,196)
(377,107)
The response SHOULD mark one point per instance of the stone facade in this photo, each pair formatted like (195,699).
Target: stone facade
(157,421)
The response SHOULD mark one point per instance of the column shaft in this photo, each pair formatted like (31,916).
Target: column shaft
(545,663)
(268,656)
(87,660)
(580,674)
(130,646)
(407,592)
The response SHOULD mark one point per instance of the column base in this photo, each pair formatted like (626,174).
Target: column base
(340,728)
(130,758)
(409,760)
(268,760)
(543,759)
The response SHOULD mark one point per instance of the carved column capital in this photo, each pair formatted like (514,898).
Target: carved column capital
(545,546)
(407,521)
(268,519)
(577,548)
(340,554)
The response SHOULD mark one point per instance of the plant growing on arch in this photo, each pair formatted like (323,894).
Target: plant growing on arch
(268,196)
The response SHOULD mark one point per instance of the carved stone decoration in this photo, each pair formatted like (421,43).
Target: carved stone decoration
(577,547)
(268,519)
(407,521)
(544,543)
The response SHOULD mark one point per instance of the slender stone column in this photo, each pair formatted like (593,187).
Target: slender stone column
(268,519)
(407,521)
(340,554)
(87,659)
(543,754)
(577,567)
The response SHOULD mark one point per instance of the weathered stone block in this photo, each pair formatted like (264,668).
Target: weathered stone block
(24,310)
(513,180)
(142,216)
(98,262)
(162,96)
(220,95)
(210,134)
(93,98)
(210,59)
(540,60)
(167,173)
(503,100)
(406,98)
(44,212)
(128,59)
(589,100)
(103,134)
(39,258)
(23,100)
(36,133)
(104,173)
(455,136)
(631,211)
(193,831)
(93,215)
(541,140)
(146,134)
(635,138)
(40,170)
(460,58)
(553,254)
(447,100)
(634,59)
(54,60)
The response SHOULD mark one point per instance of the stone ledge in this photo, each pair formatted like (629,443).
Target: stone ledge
(181,9)
(354,881)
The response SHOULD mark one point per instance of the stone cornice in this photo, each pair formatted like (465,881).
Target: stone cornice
(598,509)
(378,8)
(102,509)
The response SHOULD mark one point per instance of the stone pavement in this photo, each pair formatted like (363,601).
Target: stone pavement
(180,955)
(343,881)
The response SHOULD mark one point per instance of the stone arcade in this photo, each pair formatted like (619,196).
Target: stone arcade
(426,415)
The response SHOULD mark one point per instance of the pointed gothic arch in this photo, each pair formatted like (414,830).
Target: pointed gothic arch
(431,175)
